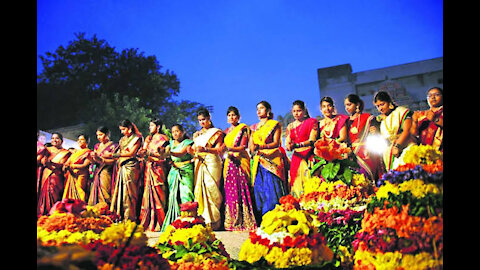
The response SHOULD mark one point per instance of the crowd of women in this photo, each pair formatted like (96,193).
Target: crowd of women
(235,175)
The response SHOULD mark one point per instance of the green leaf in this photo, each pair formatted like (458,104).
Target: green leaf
(327,171)
(347,175)
(317,165)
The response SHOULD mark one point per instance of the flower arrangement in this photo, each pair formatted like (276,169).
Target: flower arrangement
(402,226)
(331,161)
(286,237)
(187,243)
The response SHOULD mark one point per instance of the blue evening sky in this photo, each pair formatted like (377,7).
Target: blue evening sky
(241,52)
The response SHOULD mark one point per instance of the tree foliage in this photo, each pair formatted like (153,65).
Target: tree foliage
(89,82)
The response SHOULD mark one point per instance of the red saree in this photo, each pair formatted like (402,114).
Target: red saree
(154,200)
(300,134)
(358,130)
(330,128)
(52,184)
(430,133)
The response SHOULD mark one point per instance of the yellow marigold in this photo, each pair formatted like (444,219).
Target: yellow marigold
(197,233)
(422,154)
(418,188)
(252,252)
(382,192)
(120,232)
(423,260)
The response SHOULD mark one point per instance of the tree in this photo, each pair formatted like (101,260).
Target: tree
(89,82)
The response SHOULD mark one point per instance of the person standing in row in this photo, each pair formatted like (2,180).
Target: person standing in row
(396,122)
(239,214)
(268,165)
(358,128)
(208,144)
(154,199)
(301,135)
(332,126)
(427,125)
(77,174)
(180,177)
(53,179)
(126,172)
(100,190)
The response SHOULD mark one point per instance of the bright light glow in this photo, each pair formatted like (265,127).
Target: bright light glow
(376,144)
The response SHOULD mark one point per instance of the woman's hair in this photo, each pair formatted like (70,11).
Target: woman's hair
(355,99)
(129,124)
(204,112)
(268,107)
(104,130)
(301,104)
(435,87)
(234,110)
(158,123)
(182,129)
(385,97)
(328,100)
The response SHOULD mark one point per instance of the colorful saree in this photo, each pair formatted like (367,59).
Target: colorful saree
(391,128)
(154,201)
(358,130)
(331,128)
(180,182)
(41,150)
(52,185)
(126,181)
(102,177)
(208,173)
(239,214)
(77,179)
(301,156)
(268,170)
(430,133)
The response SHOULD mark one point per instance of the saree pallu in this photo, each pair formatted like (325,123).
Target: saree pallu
(52,185)
(429,132)
(41,150)
(77,179)
(180,182)
(208,173)
(239,215)
(358,130)
(154,201)
(301,156)
(126,182)
(391,128)
(331,129)
(268,171)
(102,177)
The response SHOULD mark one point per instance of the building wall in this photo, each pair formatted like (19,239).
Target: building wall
(408,83)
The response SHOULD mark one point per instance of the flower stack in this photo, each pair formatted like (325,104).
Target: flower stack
(402,226)
(287,237)
(187,243)
(338,194)
(75,235)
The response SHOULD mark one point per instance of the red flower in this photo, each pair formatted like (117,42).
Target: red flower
(189,206)
(289,202)
(330,149)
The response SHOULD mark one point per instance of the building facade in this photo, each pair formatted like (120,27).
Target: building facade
(406,83)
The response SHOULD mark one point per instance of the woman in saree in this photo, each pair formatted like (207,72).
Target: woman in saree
(395,125)
(126,172)
(208,144)
(154,200)
(180,177)
(41,152)
(268,165)
(427,125)
(53,179)
(332,126)
(358,128)
(76,171)
(301,135)
(101,190)
(239,214)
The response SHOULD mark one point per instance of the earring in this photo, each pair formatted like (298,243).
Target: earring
(391,107)
(357,109)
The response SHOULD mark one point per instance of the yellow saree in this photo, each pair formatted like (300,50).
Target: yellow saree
(208,172)
(77,179)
